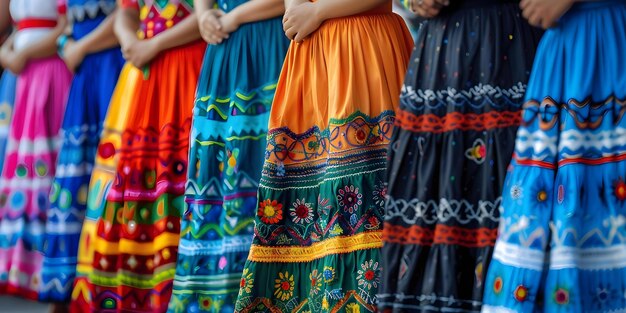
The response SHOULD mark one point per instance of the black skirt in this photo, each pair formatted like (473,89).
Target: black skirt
(453,140)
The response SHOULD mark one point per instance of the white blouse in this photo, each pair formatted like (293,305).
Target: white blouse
(32,9)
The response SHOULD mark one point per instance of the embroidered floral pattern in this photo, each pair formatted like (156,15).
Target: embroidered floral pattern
(380,194)
(301,212)
(270,212)
(561,296)
(353,308)
(478,152)
(516,192)
(284,286)
(521,293)
(247,281)
(497,285)
(369,275)
(316,281)
(349,198)
(329,274)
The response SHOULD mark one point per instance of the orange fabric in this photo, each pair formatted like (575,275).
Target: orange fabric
(129,4)
(361,68)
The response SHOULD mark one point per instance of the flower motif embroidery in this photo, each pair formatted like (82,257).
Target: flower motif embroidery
(516,192)
(353,308)
(349,198)
(205,303)
(284,286)
(521,293)
(497,285)
(247,280)
(271,212)
(373,223)
(561,296)
(368,275)
(478,152)
(380,194)
(228,161)
(280,169)
(301,212)
(329,274)
(324,303)
(316,281)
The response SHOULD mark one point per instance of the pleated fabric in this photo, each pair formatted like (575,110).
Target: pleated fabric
(319,218)
(453,140)
(132,236)
(230,117)
(29,169)
(561,245)
(87,104)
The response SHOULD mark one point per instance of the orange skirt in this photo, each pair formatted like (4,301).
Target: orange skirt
(321,196)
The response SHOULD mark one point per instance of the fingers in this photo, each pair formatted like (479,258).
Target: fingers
(426,8)
(291,33)
(524,4)
(425,12)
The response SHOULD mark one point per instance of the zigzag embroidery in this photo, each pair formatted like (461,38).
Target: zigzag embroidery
(212,189)
(431,212)
(90,9)
(476,97)
(56,285)
(537,143)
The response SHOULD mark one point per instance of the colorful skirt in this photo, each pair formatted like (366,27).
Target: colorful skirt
(86,109)
(319,218)
(562,241)
(232,109)
(29,168)
(129,244)
(454,135)
(7,99)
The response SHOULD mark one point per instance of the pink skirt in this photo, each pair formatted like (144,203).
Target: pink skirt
(28,172)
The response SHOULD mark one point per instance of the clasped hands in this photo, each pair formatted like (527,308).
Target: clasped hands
(540,13)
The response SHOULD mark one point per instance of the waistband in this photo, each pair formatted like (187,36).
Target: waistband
(381,9)
(35,23)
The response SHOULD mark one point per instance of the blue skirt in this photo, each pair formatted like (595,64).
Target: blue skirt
(562,238)
(7,99)
(231,112)
(87,104)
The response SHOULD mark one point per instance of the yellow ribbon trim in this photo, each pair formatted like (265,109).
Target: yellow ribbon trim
(336,245)
(159,243)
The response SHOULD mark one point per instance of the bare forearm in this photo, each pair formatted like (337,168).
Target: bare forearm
(47,46)
(126,24)
(5,17)
(182,33)
(101,38)
(327,9)
(201,6)
(258,10)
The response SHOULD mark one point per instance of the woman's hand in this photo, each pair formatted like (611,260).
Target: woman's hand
(73,54)
(140,52)
(293,3)
(12,60)
(229,23)
(301,20)
(210,27)
(427,8)
(544,13)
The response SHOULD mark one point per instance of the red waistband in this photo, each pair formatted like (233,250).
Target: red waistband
(35,23)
